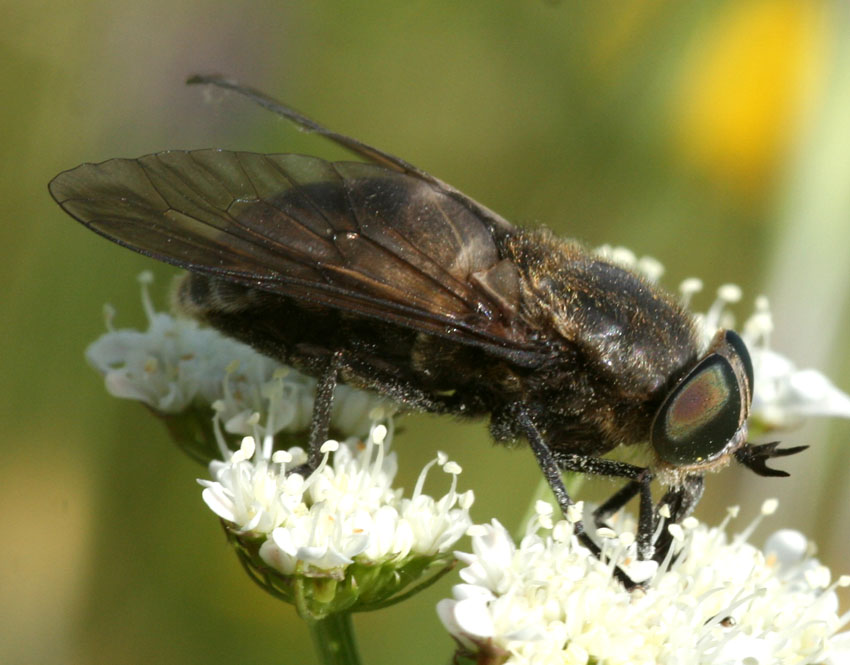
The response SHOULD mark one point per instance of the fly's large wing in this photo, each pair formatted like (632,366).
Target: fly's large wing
(348,235)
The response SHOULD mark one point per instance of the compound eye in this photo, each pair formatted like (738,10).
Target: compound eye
(737,344)
(700,416)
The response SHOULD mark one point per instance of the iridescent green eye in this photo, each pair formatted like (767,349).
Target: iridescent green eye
(700,416)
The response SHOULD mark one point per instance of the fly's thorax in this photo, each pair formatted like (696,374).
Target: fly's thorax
(623,342)
(620,323)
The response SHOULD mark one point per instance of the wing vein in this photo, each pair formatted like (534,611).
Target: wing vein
(366,239)
(297,187)
(224,230)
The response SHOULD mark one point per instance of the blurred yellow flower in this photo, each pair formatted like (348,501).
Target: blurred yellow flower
(743,87)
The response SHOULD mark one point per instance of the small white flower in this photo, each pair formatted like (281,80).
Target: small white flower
(177,364)
(647,266)
(782,394)
(345,510)
(548,600)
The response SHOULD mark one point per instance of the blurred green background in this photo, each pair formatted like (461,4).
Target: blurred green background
(714,136)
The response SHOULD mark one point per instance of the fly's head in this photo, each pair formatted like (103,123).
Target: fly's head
(702,423)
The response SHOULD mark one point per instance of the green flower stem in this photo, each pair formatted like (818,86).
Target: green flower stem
(334,640)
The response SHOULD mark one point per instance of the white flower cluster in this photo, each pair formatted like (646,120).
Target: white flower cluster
(176,363)
(721,601)
(336,538)
(782,394)
(345,510)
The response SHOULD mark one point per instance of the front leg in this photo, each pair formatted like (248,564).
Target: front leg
(681,501)
(551,471)
(640,483)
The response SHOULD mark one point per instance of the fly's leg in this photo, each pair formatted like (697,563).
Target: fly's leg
(345,365)
(680,501)
(640,480)
(617,500)
(552,472)
(320,423)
